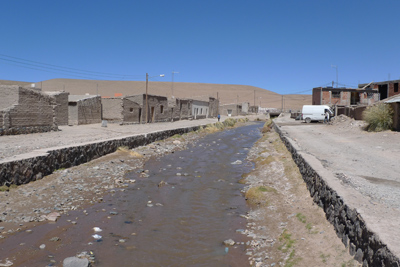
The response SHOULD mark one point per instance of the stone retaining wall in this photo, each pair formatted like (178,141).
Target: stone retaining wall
(34,168)
(27,130)
(363,244)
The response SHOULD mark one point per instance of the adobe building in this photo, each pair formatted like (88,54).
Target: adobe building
(385,89)
(179,109)
(25,111)
(61,110)
(121,110)
(157,110)
(213,107)
(231,109)
(344,96)
(84,109)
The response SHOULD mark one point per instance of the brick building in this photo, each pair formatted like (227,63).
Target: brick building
(344,96)
(25,110)
(84,109)
(385,89)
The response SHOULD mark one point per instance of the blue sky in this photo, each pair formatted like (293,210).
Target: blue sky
(282,46)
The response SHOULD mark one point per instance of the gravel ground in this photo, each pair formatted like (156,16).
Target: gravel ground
(365,164)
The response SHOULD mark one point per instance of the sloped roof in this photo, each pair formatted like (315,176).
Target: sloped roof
(393,99)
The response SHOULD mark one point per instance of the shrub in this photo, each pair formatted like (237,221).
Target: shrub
(378,117)
(229,122)
(219,125)
(267,126)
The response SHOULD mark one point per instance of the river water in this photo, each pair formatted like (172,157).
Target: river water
(177,216)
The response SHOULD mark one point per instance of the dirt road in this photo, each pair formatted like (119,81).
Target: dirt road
(365,164)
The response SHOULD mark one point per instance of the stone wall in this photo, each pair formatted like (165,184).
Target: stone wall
(350,227)
(30,169)
(179,109)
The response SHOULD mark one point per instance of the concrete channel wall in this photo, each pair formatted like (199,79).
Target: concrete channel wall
(33,168)
(363,244)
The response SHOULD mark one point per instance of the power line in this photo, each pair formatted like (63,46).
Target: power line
(70,71)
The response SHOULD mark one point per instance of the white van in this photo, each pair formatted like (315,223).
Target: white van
(315,112)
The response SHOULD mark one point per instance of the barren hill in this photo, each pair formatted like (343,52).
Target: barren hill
(227,93)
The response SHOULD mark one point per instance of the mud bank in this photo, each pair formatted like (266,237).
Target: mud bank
(350,227)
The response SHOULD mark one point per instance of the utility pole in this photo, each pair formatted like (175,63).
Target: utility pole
(237,105)
(218,104)
(147,86)
(254,97)
(282,104)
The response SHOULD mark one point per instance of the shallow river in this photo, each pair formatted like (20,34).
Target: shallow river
(177,216)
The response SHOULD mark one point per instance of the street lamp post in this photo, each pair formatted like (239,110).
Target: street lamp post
(147,89)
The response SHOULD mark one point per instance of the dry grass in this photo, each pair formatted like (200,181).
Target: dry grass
(258,195)
(130,152)
(267,126)
(379,117)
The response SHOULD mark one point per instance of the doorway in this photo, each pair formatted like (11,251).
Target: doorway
(152,114)
(383,91)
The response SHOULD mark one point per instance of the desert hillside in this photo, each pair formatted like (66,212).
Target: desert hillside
(227,93)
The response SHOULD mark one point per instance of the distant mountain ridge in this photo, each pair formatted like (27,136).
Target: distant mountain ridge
(227,93)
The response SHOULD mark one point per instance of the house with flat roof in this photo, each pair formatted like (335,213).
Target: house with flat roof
(84,109)
(121,109)
(344,96)
(385,89)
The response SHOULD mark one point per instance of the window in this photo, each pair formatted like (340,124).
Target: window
(396,87)
(161,109)
(335,94)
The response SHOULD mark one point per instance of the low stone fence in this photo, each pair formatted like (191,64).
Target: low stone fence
(33,168)
(363,244)
(27,130)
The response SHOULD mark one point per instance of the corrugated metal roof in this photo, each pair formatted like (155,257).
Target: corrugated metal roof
(393,100)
